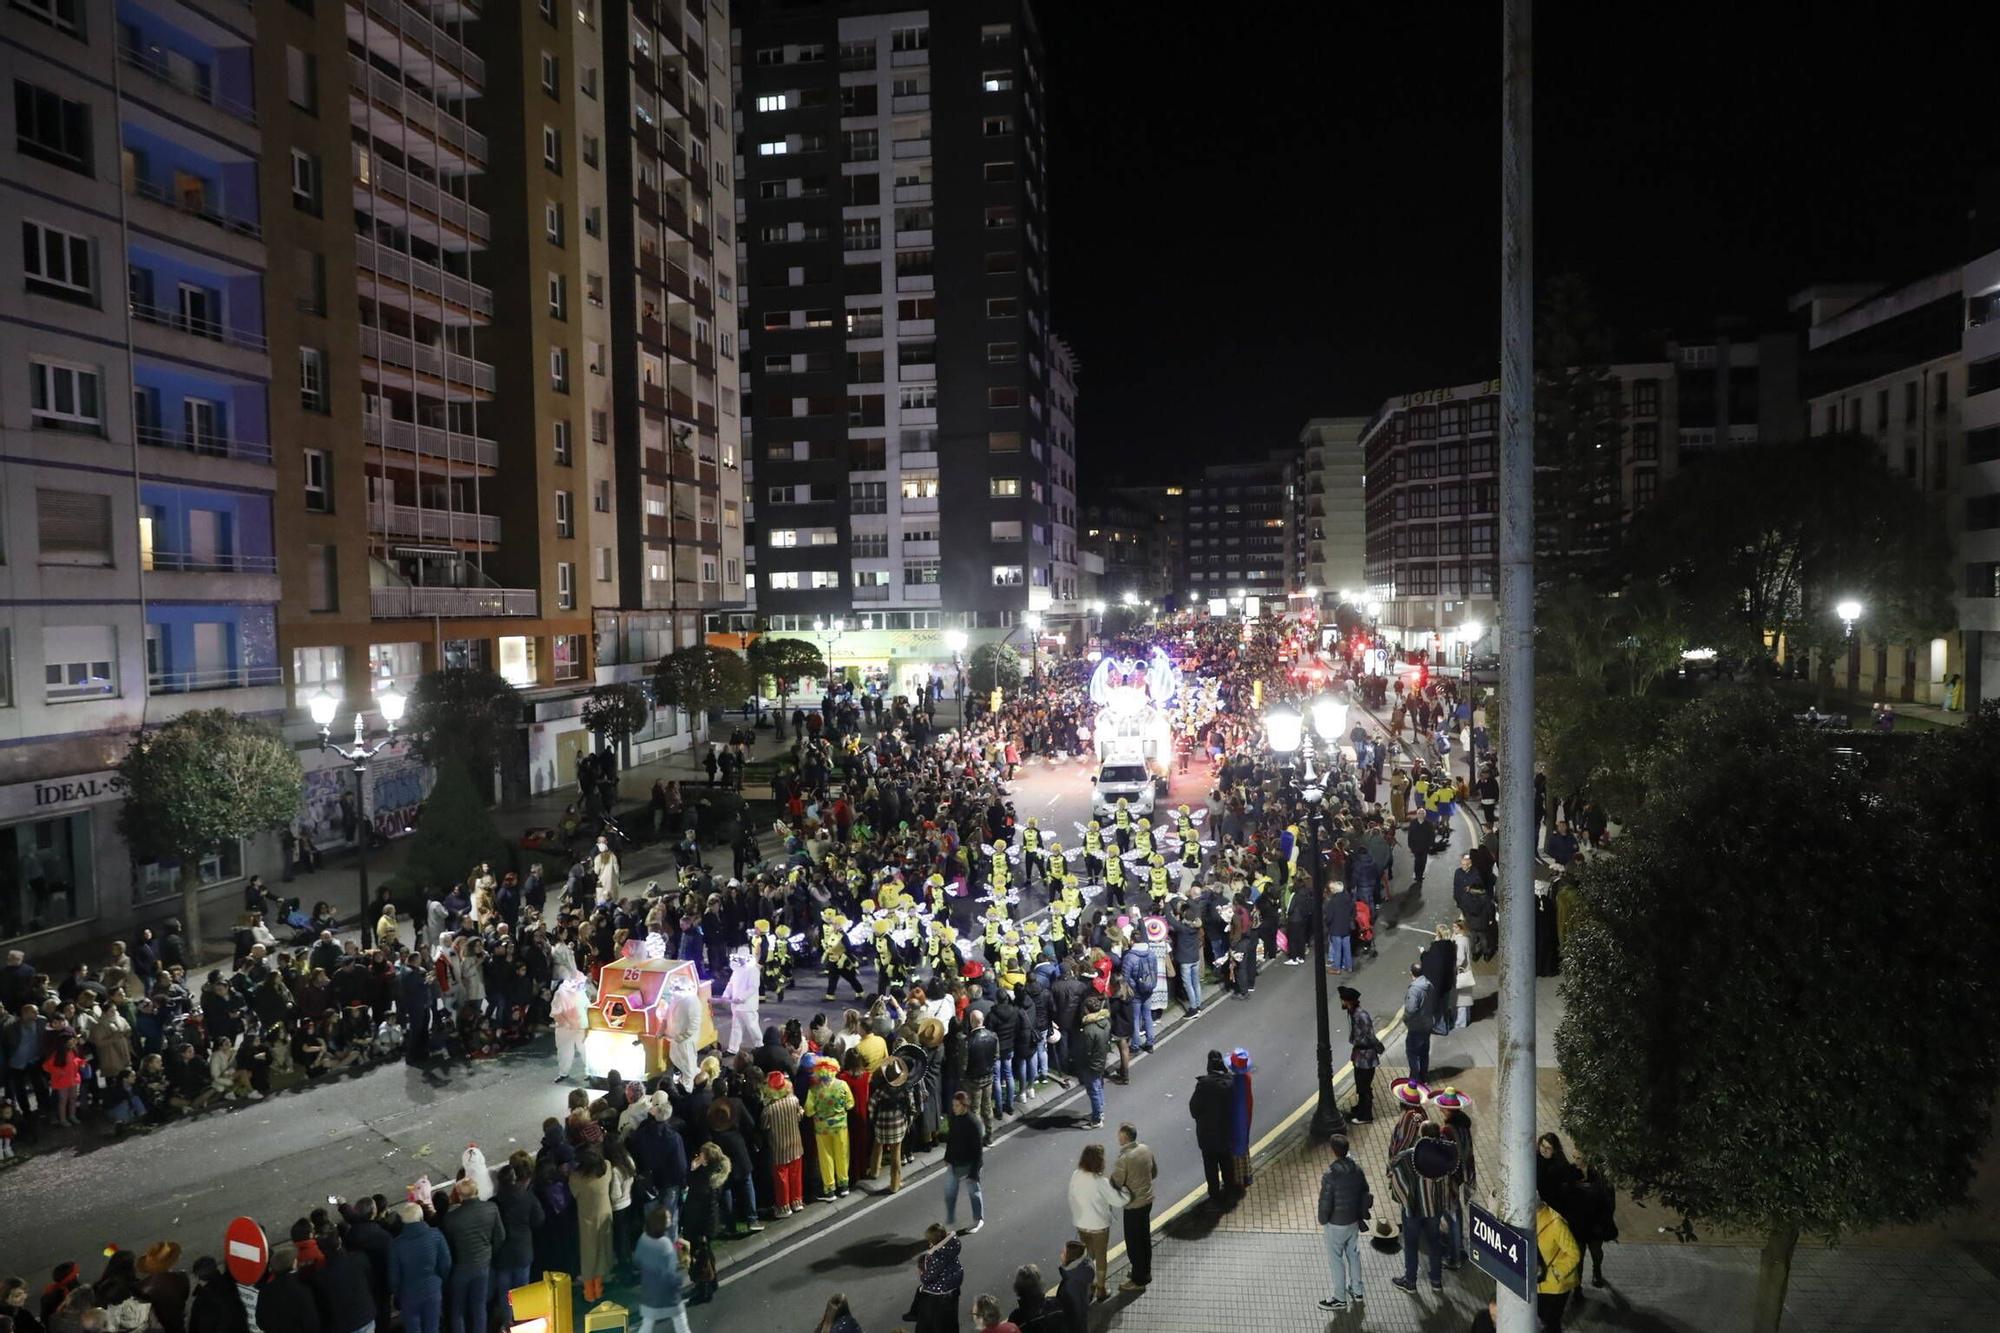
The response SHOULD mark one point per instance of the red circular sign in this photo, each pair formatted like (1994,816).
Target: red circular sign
(245,1251)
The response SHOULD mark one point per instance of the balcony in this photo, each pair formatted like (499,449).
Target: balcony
(919,239)
(408,603)
(424,277)
(395,350)
(919,504)
(432,440)
(918,550)
(426,196)
(206,444)
(903,148)
(198,327)
(871,592)
(189,82)
(917,460)
(195,204)
(913,194)
(383,89)
(418,33)
(916,371)
(202,680)
(209,562)
(432,524)
(910,102)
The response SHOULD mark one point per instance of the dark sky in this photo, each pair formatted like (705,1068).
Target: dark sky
(1263,213)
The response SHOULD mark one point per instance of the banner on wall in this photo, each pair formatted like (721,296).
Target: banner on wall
(397,786)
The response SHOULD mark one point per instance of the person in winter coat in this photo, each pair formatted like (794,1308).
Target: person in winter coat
(1210,1107)
(1141,971)
(343,1287)
(1344,1205)
(964,1155)
(217,1306)
(419,1263)
(520,1213)
(700,1218)
(1561,1266)
(1093,1204)
(1004,1022)
(1093,1054)
(590,1185)
(1593,1215)
(474,1233)
(368,1238)
(662,1278)
(659,1152)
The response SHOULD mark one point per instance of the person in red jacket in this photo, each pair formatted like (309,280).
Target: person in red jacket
(65,1070)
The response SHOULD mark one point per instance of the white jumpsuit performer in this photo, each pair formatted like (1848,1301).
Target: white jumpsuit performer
(684,1031)
(744,975)
(605,863)
(569,1014)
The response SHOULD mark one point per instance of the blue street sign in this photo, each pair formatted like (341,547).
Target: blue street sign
(1502,1252)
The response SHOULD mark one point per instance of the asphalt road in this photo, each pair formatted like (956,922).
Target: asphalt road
(377,1132)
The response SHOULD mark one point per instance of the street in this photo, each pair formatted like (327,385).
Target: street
(378,1132)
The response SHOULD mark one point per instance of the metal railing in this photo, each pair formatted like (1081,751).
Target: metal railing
(442,125)
(422,276)
(212,678)
(425,37)
(415,439)
(161,194)
(396,350)
(442,524)
(161,70)
(423,194)
(405,602)
(213,446)
(200,328)
(210,562)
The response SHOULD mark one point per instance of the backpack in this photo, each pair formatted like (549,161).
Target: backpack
(1145,975)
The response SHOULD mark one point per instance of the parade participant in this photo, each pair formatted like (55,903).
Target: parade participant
(835,960)
(1114,882)
(745,977)
(1419,1181)
(829,1104)
(1242,1109)
(1093,852)
(569,1015)
(778,963)
(1158,884)
(1121,827)
(1034,860)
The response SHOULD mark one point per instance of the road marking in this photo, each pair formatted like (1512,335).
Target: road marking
(1415,930)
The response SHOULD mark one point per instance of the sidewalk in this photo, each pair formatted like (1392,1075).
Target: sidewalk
(1265,1265)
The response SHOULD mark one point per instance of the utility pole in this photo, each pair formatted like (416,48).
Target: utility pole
(1517,648)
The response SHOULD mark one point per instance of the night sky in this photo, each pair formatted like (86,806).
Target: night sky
(1259,221)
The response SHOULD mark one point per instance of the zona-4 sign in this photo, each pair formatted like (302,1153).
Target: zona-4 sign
(1502,1252)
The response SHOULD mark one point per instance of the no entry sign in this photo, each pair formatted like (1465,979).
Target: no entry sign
(245,1251)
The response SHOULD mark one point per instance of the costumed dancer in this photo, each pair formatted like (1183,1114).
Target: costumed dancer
(1034,861)
(745,1033)
(683,1031)
(569,1016)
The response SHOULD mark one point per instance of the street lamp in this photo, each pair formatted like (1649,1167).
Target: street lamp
(358,755)
(1849,610)
(1469,633)
(1284,728)
(1330,719)
(829,633)
(1129,597)
(955,640)
(1034,623)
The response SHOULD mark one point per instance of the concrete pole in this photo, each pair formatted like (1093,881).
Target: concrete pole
(1516,1085)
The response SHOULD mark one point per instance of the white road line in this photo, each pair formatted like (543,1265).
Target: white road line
(1415,930)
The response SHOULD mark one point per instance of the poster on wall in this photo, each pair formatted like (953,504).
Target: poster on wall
(397,786)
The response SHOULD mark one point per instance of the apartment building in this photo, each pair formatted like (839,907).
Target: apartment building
(1431,461)
(898,367)
(1238,527)
(1066,614)
(1897,365)
(140,553)
(1331,509)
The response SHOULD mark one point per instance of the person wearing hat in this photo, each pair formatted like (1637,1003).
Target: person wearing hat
(1420,1181)
(163,1286)
(1365,1051)
(889,1120)
(784,1143)
(1210,1107)
(829,1103)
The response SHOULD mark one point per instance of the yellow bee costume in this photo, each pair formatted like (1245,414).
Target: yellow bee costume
(781,957)
(1156,881)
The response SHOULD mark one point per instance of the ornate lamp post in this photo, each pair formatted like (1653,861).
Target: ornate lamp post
(1285,729)
(359,755)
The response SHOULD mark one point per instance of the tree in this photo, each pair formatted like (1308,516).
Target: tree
(614,712)
(991,666)
(201,780)
(1712,955)
(701,678)
(786,661)
(1756,546)
(465,714)
(454,833)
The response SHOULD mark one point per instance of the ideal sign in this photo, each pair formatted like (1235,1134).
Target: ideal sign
(55,795)
(1502,1252)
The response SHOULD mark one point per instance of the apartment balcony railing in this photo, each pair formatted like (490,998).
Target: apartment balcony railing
(211,678)
(435,440)
(422,276)
(195,206)
(423,35)
(871,592)
(211,445)
(396,350)
(160,70)
(210,562)
(426,115)
(200,328)
(903,148)
(413,602)
(426,195)
(437,524)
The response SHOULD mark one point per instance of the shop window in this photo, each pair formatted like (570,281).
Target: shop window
(46,878)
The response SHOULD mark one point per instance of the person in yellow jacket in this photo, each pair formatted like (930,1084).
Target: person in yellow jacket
(1561,1268)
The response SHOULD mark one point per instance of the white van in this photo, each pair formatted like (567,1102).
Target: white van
(1130,780)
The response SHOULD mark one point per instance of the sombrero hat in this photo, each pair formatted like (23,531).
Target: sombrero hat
(1451,1099)
(160,1258)
(895,1072)
(1409,1093)
(930,1032)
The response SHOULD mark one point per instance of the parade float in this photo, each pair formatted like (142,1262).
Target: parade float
(1135,700)
(651,1012)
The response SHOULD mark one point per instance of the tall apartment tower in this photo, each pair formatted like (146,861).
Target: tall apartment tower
(897,360)
(136,431)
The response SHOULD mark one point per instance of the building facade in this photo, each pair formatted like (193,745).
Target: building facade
(1331,508)
(898,367)
(1895,366)
(136,428)
(1239,530)
(1431,489)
